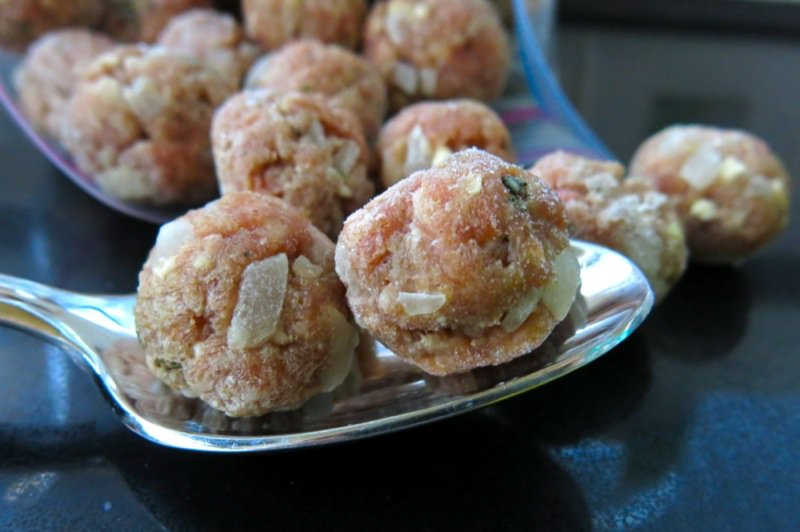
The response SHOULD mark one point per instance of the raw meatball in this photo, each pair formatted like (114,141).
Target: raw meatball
(276,22)
(463,265)
(23,21)
(629,215)
(732,192)
(437,49)
(213,37)
(239,304)
(294,146)
(423,134)
(49,71)
(143,20)
(345,78)
(139,123)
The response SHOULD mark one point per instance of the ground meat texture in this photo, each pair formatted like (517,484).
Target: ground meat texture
(139,122)
(239,304)
(297,147)
(422,134)
(346,79)
(48,73)
(463,265)
(214,38)
(23,21)
(629,215)
(732,192)
(274,23)
(437,49)
(143,20)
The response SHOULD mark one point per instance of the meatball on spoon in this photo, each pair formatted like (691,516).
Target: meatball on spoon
(384,396)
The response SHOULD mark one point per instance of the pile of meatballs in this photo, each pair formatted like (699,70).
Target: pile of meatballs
(256,301)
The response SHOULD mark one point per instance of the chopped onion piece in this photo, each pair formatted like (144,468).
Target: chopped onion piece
(170,238)
(405,76)
(440,154)
(418,151)
(420,303)
(522,310)
(316,131)
(302,267)
(347,156)
(428,78)
(701,168)
(704,210)
(731,168)
(340,358)
(560,293)
(261,295)
(473,184)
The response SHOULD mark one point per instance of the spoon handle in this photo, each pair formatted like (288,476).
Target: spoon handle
(81,324)
(29,306)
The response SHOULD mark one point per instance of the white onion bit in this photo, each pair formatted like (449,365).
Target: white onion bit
(701,168)
(261,295)
(420,303)
(560,293)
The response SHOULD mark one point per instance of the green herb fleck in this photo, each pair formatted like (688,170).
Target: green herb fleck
(518,190)
(166,365)
(307,88)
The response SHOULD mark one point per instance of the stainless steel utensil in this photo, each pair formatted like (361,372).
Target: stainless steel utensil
(385,395)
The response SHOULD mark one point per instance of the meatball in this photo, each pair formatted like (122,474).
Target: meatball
(463,265)
(143,20)
(239,304)
(50,70)
(213,37)
(422,134)
(732,192)
(629,215)
(276,22)
(23,21)
(139,122)
(437,49)
(294,146)
(345,78)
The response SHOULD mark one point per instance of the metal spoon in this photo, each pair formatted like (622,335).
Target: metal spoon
(385,395)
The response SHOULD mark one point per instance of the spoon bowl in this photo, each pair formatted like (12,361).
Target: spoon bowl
(382,395)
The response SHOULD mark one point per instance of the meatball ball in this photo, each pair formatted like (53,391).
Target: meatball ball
(239,304)
(422,134)
(732,192)
(437,49)
(23,21)
(463,265)
(629,215)
(139,122)
(49,71)
(294,146)
(345,78)
(143,20)
(276,22)
(213,37)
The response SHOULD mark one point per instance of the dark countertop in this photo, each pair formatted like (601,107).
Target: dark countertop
(692,423)
(728,16)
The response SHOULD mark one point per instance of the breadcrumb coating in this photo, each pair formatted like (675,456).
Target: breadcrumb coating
(239,304)
(466,264)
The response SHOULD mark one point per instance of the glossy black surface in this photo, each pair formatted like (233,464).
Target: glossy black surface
(693,423)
